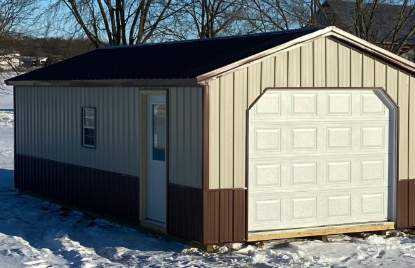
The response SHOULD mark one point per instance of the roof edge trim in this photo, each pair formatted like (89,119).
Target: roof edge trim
(212,74)
(328,31)
(109,83)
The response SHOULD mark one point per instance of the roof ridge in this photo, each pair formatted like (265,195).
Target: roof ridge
(304,29)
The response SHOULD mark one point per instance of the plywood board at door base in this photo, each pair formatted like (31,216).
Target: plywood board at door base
(344,229)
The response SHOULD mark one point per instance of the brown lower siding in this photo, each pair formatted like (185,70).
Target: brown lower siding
(101,192)
(406,203)
(224,216)
(402,204)
(185,214)
(411,203)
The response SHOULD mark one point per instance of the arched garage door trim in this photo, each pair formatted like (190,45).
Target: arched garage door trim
(393,142)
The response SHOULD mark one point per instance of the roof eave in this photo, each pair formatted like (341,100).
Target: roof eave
(109,83)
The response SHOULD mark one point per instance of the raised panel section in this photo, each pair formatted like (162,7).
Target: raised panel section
(372,203)
(304,104)
(339,138)
(372,170)
(338,206)
(269,105)
(267,139)
(268,175)
(372,137)
(304,208)
(339,104)
(371,104)
(304,139)
(267,210)
(304,174)
(338,172)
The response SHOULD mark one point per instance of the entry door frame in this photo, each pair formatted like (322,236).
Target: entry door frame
(143,147)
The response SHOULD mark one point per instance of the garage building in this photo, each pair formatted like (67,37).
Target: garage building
(230,139)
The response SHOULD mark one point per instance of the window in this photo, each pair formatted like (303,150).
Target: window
(159,132)
(88,127)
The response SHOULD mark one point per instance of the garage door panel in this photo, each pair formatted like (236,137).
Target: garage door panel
(317,158)
(330,104)
(304,173)
(288,210)
(317,138)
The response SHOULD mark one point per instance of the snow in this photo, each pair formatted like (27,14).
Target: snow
(38,234)
(6,92)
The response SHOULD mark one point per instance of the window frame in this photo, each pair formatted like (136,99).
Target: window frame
(89,127)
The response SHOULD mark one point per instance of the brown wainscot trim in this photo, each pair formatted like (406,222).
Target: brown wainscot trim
(185,212)
(101,192)
(224,215)
(411,201)
(402,203)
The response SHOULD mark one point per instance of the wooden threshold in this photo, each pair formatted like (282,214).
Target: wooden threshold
(152,225)
(315,231)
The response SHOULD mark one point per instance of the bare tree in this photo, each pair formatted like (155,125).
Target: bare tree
(16,16)
(113,22)
(212,18)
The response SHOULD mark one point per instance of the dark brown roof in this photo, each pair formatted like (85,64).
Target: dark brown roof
(172,60)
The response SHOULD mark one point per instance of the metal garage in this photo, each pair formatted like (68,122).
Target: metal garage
(230,139)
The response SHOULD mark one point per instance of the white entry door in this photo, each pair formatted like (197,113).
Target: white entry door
(317,158)
(156,158)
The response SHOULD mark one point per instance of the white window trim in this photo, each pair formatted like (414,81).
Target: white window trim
(89,127)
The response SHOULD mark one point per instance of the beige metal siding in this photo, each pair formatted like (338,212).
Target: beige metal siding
(324,62)
(50,123)
(185,136)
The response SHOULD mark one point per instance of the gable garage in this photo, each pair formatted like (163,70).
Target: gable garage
(247,138)
(288,95)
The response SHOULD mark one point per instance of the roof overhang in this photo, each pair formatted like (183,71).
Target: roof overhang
(109,83)
(332,31)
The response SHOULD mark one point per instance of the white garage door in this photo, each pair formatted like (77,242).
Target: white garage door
(316,158)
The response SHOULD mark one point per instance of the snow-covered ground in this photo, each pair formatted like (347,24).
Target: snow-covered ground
(42,235)
(6,92)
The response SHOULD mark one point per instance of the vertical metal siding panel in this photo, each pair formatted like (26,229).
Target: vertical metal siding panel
(332,63)
(380,74)
(180,135)
(307,65)
(137,130)
(194,133)
(76,133)
(173,165)
(116,123)
(20,113)
(187,180)
(392,82)
(267,73)
(200,139)
(411,161)
(294,70)
(254,81)
(214,130)
(281,71)
(403,97)
(240,107)
(226,131)
(319,47)
(111,127)
(368,72)
(357,69)
(344,66)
